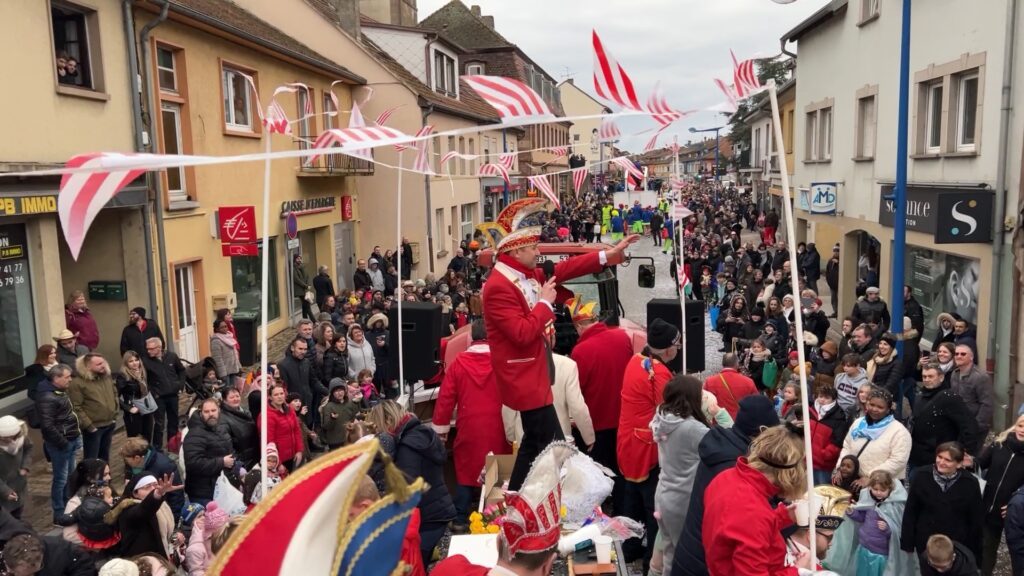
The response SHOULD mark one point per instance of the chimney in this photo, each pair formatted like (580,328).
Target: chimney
(348,16)
(475,9)
(489,21)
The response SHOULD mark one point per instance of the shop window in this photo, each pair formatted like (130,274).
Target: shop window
(246,282)
(17,326)
(237,100)
(943,282)
(76,46)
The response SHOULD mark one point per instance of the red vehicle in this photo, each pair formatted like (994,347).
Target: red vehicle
(602,288)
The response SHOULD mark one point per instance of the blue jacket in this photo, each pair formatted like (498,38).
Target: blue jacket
(1014,529)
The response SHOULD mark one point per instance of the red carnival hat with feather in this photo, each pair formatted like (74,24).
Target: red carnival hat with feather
(532,520)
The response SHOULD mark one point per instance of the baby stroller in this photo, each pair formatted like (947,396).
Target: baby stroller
(194,383)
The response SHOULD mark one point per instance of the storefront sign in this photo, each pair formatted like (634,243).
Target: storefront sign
(247,249)
(920,208)
(39,204)
(305,206)
(346,208)
(964,217)
(501,189)
(823,197)
(18,343)
(237,224)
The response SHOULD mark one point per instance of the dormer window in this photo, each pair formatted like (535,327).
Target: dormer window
(475,69)
(445,78)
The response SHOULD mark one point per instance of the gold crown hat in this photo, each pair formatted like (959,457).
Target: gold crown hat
(518,225)
(580,310)
(834,502)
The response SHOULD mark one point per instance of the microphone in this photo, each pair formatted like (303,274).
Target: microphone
(549,269)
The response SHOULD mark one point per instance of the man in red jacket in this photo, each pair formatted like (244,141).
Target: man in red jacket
(519,304)
(469,384)
(601,353)
(730,386)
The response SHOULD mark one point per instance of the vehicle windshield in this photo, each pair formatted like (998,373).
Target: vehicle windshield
(587,287)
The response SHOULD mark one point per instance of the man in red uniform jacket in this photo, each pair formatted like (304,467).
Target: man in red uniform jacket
(519,304)
(730,386)
(601,353)
(469,384)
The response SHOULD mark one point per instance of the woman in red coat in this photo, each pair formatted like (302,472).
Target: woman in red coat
(469,384)
(283,428)
(742,532)
(643,386)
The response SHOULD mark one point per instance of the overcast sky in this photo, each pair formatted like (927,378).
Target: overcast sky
(683,43)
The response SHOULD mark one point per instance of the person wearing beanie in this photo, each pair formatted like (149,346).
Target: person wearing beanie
(138,330)
(885,370)
(336,413)
(642,388)
(119,567)
(198,555)
(15,463)
(146,522)
(718,451)
(252,484)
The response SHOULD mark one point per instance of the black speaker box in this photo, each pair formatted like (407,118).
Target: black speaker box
(421,340)
(668,310)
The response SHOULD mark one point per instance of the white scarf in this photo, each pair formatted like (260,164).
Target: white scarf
(14,447)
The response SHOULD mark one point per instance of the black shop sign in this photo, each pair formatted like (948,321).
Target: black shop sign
(951,215)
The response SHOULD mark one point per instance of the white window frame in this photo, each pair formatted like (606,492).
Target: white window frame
(869,10)
(445,78)
(811,137)
(825,118)
(230,121)
(467,221)
(476,69)
(867,127)
(180,195)
(933,117)
(961,111)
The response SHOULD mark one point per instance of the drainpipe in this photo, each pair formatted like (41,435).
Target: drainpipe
(426,111)
(1000,339)
(155,181)
(135,89)
(782,45)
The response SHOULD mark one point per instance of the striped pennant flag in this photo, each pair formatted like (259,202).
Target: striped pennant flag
(579,176)
(745,78)
(659,108)
(675,148)
(653,142)
(610,80)
(542,184)
(515,102)
(385,116)
(82,196)
(680,211)
(422,162)
(507,159)
(609,131)
(356,120)
(627,165)
(732,100)
(425,131)
(276,121)
(558,151)
(349,136)
(492,169)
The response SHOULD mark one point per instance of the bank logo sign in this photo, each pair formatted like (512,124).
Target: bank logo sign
(964,217)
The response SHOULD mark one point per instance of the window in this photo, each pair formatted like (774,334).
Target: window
(444,74)
(462,151)
(575,137)
(305,111)
(788,131)
(966,112)
(467,225)
(170,116)
(825,140)
(246,283)
(812,136)
(933,137)
(869,10)
(932,275)
(866,122)
(237,100)
(17,323)
(472,152)
(76,46)
(756,156)
(439,231)
(475,69)
(166,73)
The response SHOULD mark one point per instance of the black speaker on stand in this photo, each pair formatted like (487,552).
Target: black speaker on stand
(421,340)
(668,310)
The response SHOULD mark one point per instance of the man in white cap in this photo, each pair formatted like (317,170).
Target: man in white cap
(68,348)
(15,462)
(872,310)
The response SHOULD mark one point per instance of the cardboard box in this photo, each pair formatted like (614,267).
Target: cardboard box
(497,471)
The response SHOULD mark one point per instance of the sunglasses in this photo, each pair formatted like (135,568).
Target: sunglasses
(961,354)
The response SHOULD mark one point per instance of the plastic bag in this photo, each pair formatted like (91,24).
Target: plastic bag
(770,374)
(713,316)
(585,486)
(227,497)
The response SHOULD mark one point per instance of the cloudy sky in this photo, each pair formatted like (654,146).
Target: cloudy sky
(683,43)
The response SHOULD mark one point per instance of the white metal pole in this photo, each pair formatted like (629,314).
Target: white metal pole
(680,259)
(264,283)
(787,208)
(400,292)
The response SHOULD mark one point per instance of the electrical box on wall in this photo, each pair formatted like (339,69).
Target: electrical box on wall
(108,290)
(229,301)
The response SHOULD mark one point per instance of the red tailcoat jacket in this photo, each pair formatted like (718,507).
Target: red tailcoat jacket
(516,333)
(458,565)
(643,387)
(602,354)
(469,383)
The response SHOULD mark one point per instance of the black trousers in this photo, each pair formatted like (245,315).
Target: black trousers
(540,428)
(166,408)
(638,503)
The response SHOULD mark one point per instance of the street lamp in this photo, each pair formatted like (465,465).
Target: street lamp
(715,130)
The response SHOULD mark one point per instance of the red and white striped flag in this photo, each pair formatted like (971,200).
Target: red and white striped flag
(653,142)
(542,184)
(425,131)
(507,159)
(579,176)
(680,211)
(659,108)
(356,120)
(422,162)
(675,148)
(558,151)
(745,80)
(609,131)
(610,80)
(276,121)
(515,102)
(385,116)
(732,100)
(346,137)
(493,170)
(627,165)
(83,195)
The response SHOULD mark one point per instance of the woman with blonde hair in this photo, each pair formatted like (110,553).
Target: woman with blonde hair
(743,533)
(136,400)
(1004,462)
(418,452)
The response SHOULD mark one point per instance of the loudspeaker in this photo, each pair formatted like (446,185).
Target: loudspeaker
(421,340)
(668,310)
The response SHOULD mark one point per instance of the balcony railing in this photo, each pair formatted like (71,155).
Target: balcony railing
(334,165)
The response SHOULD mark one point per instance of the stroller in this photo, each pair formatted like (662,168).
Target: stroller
(195,384)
